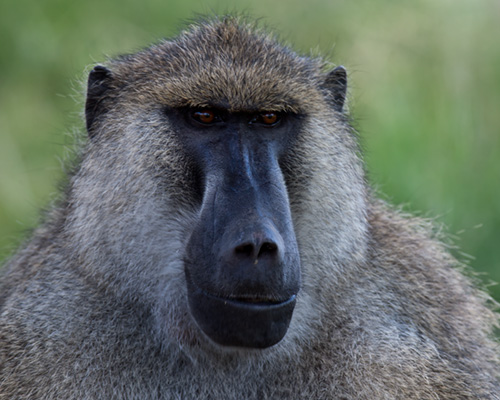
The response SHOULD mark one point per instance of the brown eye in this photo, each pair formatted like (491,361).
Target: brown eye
(269,118)
(205,116)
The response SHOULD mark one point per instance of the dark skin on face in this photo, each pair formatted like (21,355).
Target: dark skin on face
(241,263)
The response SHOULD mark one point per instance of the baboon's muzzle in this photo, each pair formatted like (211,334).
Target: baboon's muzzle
(242,262)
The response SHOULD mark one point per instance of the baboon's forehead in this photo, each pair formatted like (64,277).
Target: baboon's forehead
(229,65)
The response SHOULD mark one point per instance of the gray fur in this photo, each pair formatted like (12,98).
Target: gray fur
(94,306)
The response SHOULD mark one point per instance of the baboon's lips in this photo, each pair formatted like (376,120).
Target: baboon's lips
(240,323)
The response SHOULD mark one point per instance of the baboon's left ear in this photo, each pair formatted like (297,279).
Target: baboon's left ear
(336,84)
(98,87)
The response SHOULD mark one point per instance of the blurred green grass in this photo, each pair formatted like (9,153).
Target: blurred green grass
(424,81)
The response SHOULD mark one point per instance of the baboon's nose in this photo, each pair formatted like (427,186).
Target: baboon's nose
(256,248)
(259,242)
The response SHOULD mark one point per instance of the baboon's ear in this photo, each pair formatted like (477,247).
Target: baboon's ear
(98,87)
(336,84)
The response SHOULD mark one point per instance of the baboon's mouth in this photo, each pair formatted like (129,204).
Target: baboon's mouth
(241,322)
(257,301)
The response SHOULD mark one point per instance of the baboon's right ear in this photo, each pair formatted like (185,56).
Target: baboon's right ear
(98,87)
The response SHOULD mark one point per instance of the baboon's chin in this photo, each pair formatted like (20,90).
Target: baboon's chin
(236,323)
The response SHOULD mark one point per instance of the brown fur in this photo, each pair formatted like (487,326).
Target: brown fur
(94,306)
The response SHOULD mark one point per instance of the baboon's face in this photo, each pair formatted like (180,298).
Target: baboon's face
(220,121)
(241,261)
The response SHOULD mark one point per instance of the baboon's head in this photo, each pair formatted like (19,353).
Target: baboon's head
(204,153)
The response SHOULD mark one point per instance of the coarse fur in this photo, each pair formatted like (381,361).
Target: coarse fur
(95,305)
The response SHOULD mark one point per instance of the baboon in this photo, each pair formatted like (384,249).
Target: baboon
(218,240)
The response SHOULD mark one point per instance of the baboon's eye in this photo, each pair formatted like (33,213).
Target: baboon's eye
(206,117)
(266,118)
(269,118)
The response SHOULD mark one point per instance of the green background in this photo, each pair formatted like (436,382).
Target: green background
(424,93)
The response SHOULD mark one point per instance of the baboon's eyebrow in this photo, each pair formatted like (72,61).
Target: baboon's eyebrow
(285,105)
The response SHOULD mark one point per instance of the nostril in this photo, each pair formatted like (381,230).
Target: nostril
(246,249)
(267,248)
(256,250)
